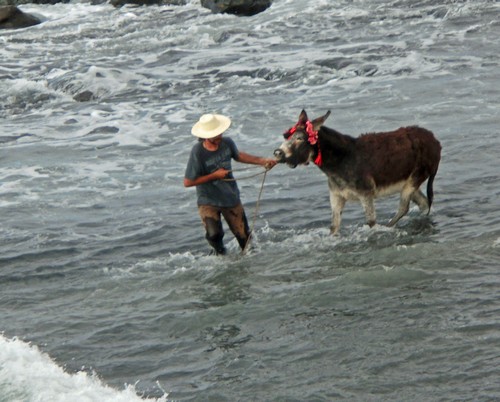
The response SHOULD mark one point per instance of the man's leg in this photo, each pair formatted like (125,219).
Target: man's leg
(237,222)
(210,216)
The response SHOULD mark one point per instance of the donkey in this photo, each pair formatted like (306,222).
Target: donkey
(364,168)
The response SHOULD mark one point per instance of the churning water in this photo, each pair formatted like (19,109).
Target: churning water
(107,290)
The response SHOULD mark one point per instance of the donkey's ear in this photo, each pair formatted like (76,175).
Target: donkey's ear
(317,123)
(303,117)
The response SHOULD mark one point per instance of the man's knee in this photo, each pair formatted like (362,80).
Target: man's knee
(214,235)
(213,228)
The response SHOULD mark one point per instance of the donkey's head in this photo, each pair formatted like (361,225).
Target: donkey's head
(301,142)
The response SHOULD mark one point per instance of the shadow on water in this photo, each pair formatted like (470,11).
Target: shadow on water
(416,229)
(223,287)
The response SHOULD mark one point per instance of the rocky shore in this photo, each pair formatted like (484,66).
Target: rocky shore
(11,17)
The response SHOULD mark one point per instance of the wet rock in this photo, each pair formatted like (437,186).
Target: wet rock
(237,7)
(104,130)
(20,2)
(119,3)
(84,96)
(11,18)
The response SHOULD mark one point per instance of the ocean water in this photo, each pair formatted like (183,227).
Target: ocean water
(107,291)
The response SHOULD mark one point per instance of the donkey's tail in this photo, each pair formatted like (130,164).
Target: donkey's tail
(430,191)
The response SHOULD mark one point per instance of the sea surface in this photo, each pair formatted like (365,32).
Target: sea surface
(107,288)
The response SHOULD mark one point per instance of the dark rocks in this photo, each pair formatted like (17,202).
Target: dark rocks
(84,96)
(11,18)
(237,7)
(119,3)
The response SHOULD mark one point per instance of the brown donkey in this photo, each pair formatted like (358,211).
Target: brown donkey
(367,167)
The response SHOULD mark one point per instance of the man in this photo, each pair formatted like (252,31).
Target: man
(209,169)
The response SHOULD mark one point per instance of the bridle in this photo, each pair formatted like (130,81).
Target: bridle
(312,138)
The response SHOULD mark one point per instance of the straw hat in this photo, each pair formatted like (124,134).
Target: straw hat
(210,126)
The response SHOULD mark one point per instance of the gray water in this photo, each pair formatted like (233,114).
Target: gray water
(107,289)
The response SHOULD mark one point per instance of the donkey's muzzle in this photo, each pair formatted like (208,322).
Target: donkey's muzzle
(279,155)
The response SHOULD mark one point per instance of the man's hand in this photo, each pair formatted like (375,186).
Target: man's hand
(220,174)
(270,163)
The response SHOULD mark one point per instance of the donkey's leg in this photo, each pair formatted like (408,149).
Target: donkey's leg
(370,214)
(404,203)
(337,203)
(421,200)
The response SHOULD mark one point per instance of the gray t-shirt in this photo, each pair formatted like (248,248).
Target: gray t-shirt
(201,162)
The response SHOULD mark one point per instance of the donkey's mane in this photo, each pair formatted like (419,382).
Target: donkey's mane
(333,138)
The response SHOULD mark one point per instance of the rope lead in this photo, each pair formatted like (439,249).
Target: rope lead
(244,177)
(243,252)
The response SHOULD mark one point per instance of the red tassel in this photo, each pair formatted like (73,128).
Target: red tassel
(319,159)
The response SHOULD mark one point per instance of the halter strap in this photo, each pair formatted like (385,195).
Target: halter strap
(312,138)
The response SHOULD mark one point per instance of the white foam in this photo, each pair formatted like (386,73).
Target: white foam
(21,94)
(27,374)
